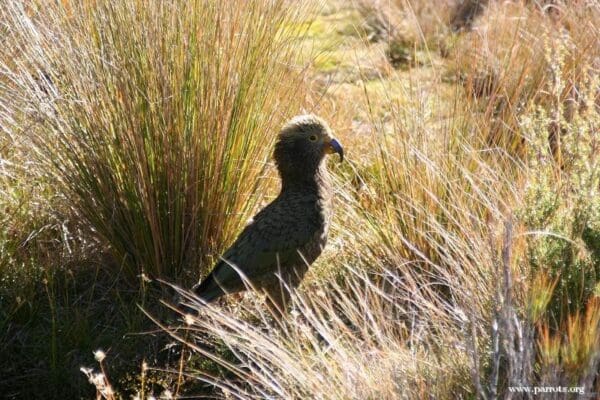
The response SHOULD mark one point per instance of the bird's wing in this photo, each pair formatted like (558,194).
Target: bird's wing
(272,239)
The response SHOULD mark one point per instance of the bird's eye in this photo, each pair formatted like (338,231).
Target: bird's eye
(312,138)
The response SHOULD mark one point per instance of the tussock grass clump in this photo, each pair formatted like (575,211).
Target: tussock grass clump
(156,119)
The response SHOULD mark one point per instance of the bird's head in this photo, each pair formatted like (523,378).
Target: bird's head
(302,145)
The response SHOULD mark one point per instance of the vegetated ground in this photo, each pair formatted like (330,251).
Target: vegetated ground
(464,256)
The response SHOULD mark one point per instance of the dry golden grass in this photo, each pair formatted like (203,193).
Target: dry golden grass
(465,251)
(521,54)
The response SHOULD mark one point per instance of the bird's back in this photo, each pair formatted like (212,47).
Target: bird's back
(280,243)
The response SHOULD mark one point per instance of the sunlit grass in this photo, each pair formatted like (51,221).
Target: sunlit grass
(521,54)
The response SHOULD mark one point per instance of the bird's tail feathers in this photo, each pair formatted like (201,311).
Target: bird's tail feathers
(209,289)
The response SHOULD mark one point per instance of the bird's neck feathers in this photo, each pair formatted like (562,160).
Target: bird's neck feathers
(315,180)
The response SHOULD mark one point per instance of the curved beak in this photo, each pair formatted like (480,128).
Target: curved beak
(333,146)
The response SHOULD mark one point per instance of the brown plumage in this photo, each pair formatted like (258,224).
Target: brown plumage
(284,238)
